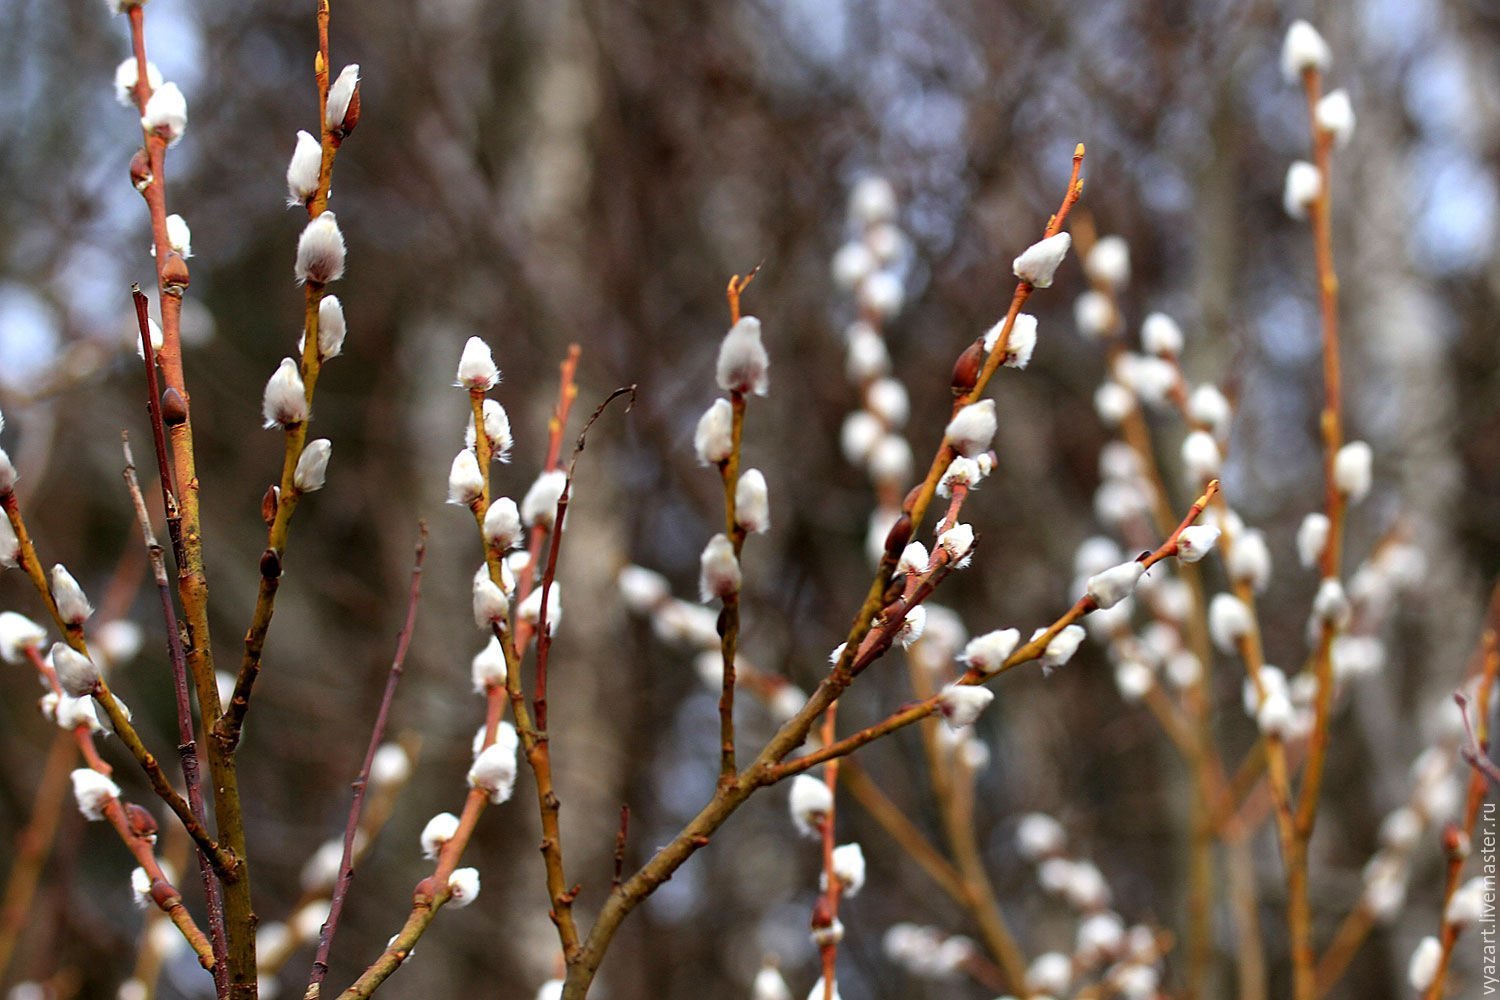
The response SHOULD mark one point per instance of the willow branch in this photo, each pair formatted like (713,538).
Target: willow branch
(377,734)
(187,746)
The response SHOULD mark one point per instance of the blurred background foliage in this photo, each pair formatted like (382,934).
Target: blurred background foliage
(551,171)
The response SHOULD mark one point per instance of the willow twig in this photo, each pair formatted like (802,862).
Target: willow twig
(187,745)
(377,734)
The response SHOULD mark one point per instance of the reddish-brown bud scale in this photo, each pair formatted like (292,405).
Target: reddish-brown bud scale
(270,564)
(140,171)
(910,500)
(174,274)
(174,409)
(351,117)
(140,821)
(967,368)
(268,504)
(898,536)
(822,916)
(1455,842)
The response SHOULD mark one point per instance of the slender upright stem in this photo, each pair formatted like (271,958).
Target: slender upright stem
(377,734)
(187,745)
(192,579)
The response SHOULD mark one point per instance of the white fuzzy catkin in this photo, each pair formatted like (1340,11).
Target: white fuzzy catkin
(769,985)
(465,480)
(1133,679)
(1200,457)
(312,466)
(491,606)
(284,403)
(1312,539)
(438,831)
(8,475)
(852,263)
(719,569)
(1275,716)
(849,868)
(1228,621)
(18,633)
(752,503)
(494,770)
(987,653)
(331,327)
(890,460)
(1195,542)
(1303,186)
(743,364)
(1062,647)
(1303,49)
(1152,378)
(872,201)
(1331,605)
(914,559)
(1335,115)
(539,505)
(502,525)
(1250,560)
(819,990)
(961,704)
(962,471)
(1108,262)
(866,356)
(488,668)
(320,251)
(179,236)
(973,428)
(1161,336)
(1468,903)
(810,801)
(858,435)
(93,791)
(1208,406)
(713,439)
(340,94)
(1422,969)
(303,170)
(1113,585)
(463,887)
(912,626)
(882,295)
(1094,315)
(127,74)
(1049,973)
(1038,263)
(496,431)
(1113,403)
(72,606)
(391,766)
(958,542)
(888,400)
(1021,343)
(642,589)
(476,366)
(1351,470)
(1038,836)
(166,113)
(531,608)
(76,673)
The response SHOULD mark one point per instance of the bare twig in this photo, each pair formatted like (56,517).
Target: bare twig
(187,745)
(377,734)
